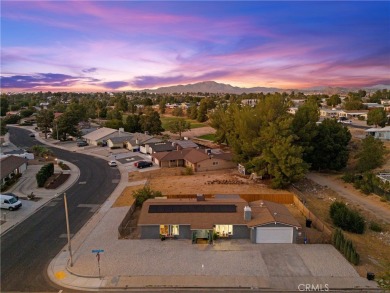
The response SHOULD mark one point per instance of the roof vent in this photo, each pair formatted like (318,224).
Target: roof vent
(200,197)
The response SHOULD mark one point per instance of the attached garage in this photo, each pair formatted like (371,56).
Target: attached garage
(274,235)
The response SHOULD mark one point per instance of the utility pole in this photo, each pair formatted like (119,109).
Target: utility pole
(68,230)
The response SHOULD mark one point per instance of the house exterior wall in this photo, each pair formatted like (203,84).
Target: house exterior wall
(253,231)
(169,164)
(153,232)
(382,135)
(144,149)
(240,232)
(214,164)
(150,232)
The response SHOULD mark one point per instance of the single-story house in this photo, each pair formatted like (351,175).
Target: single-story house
(20,153)
(104,133)
(230,217)
(350,114)
(11,166)
(197,160)
(380,133)
(373,105)
(137,139)
(329,113)
(184,144)
(157,147)
(119,141)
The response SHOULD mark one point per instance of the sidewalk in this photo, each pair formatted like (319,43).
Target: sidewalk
(27,184)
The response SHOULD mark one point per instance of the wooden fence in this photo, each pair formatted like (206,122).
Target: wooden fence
(282,198)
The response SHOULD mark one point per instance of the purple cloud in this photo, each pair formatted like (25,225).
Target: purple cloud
(89,70)
(41,80)
(114,84)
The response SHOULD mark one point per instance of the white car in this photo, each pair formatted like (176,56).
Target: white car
(112,164)
(347,121)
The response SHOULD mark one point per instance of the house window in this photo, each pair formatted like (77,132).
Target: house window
(215,163)
(224,230)
(172,161)
(169,229)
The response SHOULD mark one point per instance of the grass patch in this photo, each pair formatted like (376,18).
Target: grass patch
(210,137)
(194,124)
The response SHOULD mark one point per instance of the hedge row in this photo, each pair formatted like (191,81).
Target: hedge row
(44,174)
(345,246)
(346,219)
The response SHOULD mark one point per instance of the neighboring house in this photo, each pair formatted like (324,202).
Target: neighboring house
(157,147)
(373,105)
(329,113)
(119,141)
(139,139)
(249,102)
(228,216)
(11,166)
(183,144)
(20,153)
(197,160)
(354,114)
(292,110)
(380,133)
(104,133)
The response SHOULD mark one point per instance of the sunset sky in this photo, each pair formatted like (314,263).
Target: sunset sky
(124,45)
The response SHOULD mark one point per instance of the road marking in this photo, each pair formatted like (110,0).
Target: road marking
(65,235)
(51,204)
(60,275)
(93,207)
(82,182)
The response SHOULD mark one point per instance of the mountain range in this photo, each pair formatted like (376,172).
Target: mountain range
(215,87)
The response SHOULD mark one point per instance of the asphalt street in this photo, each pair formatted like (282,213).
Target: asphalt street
(27,249)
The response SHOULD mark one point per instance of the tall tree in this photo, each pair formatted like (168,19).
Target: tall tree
(192,111)
(202,111)
(67,125)
(377,117)
(333,100)
(4,105)
(150,122)
(371,155)
(178,111)
(179,126)
(45,120)
(162,106)
(330,146)
(133,123)
(304,125)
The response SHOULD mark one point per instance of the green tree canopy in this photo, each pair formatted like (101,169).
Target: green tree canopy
(114,123)
(133,123)
(4,105)
(371,155)
(150,122)
(202,111)
(333,100)
(377,117)
(179,126)
(45,120)
(330,146)
(67,125)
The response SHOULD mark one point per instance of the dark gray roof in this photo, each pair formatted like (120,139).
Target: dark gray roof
(119,139)
(15,152)
(161,147)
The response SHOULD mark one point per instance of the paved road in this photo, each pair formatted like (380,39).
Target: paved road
(27,249)
(366,203)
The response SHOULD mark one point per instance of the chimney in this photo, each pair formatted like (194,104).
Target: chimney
(247,213)
(136,141)
(121,130)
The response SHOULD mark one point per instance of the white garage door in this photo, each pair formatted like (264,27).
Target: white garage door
(274,235)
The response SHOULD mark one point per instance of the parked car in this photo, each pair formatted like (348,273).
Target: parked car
(112,164)
(9,202)
(347,121)
(144,164)
(82,143)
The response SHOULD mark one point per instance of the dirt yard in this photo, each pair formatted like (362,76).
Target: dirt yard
(373,247)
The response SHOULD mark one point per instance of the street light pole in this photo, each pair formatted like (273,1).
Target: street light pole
(68,230)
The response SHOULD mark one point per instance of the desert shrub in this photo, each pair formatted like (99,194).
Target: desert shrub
(188,171)
(345,246)
(375,227)
(346,219)
(144,194)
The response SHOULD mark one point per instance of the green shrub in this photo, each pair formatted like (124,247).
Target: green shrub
(375,227)
(144,194)
(346,219)
(345,246)
(44,173)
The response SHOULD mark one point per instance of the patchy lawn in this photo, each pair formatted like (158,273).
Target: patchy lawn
(210,137)
(194,124)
